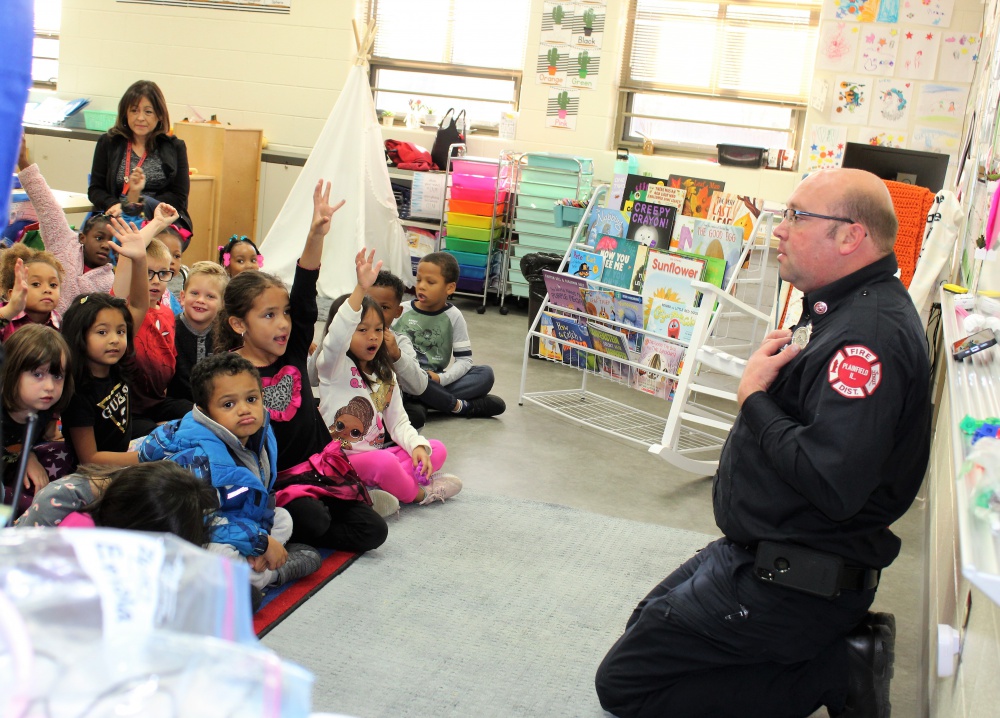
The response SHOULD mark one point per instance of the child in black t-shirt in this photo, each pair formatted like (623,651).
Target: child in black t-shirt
(98,421)
(200,301)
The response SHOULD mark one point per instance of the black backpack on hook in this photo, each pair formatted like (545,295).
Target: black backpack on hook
(448,134)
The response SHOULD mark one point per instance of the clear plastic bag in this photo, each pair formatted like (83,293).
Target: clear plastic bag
(99,622)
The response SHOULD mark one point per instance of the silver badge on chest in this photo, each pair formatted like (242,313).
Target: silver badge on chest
(800,337)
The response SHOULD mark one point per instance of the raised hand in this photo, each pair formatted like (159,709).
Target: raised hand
(166,213)
(367,271)
(133,245)
(136,184)
(19,292)
(322,210)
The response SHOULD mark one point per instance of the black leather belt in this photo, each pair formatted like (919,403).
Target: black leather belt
(808,570)
(855,578)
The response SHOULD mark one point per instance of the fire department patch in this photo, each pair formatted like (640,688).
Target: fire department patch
(855,372)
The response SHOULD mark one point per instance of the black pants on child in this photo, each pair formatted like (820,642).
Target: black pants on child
(167,410)
(336,523)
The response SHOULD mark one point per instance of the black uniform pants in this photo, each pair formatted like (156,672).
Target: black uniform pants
(336,523)
(711,641)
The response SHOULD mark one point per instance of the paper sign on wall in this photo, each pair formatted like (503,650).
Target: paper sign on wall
(563,108)
(882,138)
(892,102)
(851,100)
(918,52)
(427,194)
(959,55)
(826,147)
(927,12)
(838,45)
(941,103)
(935,139)
(877,49)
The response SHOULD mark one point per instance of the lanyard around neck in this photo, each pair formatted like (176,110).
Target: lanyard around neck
(128,165)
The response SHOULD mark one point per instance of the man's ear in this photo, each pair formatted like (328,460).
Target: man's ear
(237,325)
(852,239)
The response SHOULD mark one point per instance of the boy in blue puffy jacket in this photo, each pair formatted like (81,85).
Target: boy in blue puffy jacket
(227,440)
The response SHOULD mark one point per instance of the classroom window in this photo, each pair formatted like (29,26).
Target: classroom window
(448,53)
(45,49)
(700,73)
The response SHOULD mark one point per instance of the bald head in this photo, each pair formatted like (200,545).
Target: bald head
(864,198)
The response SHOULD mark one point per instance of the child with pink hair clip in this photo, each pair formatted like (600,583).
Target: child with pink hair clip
(240,254)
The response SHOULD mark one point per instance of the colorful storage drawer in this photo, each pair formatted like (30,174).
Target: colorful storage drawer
(533,202)
(545,216)
(471,284)
(537,243)
(555,178)
(554,191)
(468,167)
(483,209)
(468,272)
(478,195)
(457,230)
(473,182)
(514,275)
(468,258)
(472,246)
(547,230)
(584,165)
(470,220)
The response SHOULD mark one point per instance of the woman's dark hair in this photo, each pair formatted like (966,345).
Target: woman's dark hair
(225,364)
(80,317)
(32,347)
(227,248)
(237,301)
(154,496)
(138,90)
(381,364)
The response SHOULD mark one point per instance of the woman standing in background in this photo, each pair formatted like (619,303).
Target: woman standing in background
(137,164)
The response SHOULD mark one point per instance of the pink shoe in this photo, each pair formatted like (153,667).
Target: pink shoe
(442,486)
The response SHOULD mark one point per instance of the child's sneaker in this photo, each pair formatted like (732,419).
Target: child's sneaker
(302,561)
(484,406)
(384,503)
(442,486)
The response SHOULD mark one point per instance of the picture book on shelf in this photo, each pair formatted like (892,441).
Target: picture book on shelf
(600,303)
(715,268)
(652,224)
(664,194)
(565,290)
(619,260)
(683,239)
(669,276)
(606,223)
(735,209)
(661,355)
(671,319)
(639,272)
(573,333)
(547,348)
(714,239)
(638,187)
(613,342)
(628,309)
(698,193)
(585,264)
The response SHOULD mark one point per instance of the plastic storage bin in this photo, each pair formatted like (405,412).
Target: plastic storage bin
(478,195)
(741,156)
(540,228)
(472,246)
(457,230)
(483,209)
(470,167)
(572,163)
(470,220)
(468,259)
(474,182)
(99,120)
(466,271)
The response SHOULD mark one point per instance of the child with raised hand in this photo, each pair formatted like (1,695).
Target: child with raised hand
(226,439)
(240,254)
(363,406)
(159,496)
(176,243)
(261,322)
(85,256)
(29,283)
(200,300)
(439,334)
(100,332)
(35,379)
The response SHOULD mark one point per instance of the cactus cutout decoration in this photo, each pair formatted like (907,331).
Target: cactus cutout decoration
(557,15)
(553,57)
(562,99)
(583,59)
(588,21)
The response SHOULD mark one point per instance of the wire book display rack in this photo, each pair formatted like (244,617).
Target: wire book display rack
(691,429)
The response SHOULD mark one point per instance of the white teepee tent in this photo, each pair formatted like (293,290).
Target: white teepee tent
(350,155)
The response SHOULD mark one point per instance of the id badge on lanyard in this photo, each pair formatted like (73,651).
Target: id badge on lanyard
(128,166)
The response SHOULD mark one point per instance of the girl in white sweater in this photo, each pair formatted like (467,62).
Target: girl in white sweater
(363,406)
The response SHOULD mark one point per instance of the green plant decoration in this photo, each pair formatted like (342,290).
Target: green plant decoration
(553,57)
(562,99)
(588,21)
(583,59)
(558,15)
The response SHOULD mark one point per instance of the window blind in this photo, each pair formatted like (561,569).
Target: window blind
(749,49)
(454,32)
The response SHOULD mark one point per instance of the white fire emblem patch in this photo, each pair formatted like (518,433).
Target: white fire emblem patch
(855,372)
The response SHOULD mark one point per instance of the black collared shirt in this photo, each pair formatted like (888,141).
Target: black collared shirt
(836,449)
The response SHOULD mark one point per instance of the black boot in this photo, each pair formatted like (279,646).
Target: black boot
(870,650)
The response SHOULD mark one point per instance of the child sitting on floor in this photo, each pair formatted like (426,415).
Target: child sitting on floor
(363,407)
(439,333)
(226,439)
(29,283)
(240,254)
(176,243)
(157,496)
(201,300)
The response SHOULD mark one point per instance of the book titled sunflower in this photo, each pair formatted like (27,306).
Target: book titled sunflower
(669,276)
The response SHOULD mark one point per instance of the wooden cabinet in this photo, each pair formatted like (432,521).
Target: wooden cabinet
(231,156)
(201,207)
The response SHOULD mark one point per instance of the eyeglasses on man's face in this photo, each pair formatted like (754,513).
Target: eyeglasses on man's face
(792,216)
(164,275)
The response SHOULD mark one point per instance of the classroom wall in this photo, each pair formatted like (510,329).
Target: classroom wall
(283,73)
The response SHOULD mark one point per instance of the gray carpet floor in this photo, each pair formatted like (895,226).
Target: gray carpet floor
(484,606)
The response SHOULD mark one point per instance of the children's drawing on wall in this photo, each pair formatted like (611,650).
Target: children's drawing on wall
(936,139)
(941,103)
(893,102)
(584,68)
(927,12)
(959,55)
(882,138)
(552,64)
(918,52)
(588,27)
(563,108)
(825,148)
(557,22)
(851,100)
(877,49)
(838,45)
(888,11)
(853,10)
